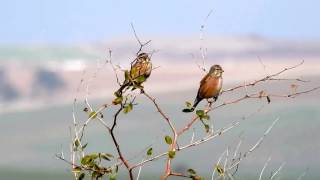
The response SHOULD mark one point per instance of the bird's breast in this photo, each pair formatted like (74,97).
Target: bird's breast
(211,87)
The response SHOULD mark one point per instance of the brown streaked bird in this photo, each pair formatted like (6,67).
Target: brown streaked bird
(210,86)
(140,70)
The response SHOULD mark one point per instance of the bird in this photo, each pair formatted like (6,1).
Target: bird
(140,71)
(210,86)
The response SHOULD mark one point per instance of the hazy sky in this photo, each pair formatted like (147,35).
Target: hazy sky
(71,21)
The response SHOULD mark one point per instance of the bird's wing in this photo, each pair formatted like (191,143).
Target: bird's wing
(204,79)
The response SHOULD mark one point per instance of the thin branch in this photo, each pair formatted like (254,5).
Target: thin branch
(255,146)
(192,137)
(237,149)
(203,52)
(179,175)
(137,38)
(111,131)
(218,162)
(226,160)
(81,131)
(161,112)
(138,176)
(264,78)
(277,171)
(303,174)
(289,79)
(113,67)
(264,167)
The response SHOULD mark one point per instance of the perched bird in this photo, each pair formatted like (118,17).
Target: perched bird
(140,70)
(210,86)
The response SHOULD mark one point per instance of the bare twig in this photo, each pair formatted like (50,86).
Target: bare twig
(218,162)
(138,176)
(114,67)
(277,171)
(303,174)
(264,167)
(161,112)
(137,38)
(264,78)
(124,161)
(255,146)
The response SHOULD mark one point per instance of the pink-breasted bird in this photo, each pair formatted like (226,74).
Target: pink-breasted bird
(210,86)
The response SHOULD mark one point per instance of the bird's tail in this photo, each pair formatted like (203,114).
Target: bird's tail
(196,102)
(119,92)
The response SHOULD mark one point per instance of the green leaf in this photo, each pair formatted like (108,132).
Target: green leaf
(112,178)
(84,146)
(81,176)
(200,113)
(168,139)
(136,86)
(117,100)
(88,159)
(94,156)
(140,79)
(126,75)
(105,156)
(192,172)
(133,72)
(117,169)
(109,155)
(127,108)
(171,154)
(96,175)
(76,170)
(149,152)
(117,94)
(93,115)
(219,170)
(77,142)
(205,117)
(188,104)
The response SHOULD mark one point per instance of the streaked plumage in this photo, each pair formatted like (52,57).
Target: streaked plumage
(140,70)
(141,67)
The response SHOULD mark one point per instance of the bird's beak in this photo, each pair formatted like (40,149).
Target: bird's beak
(222,70)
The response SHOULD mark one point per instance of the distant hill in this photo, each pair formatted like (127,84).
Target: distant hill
(53,73)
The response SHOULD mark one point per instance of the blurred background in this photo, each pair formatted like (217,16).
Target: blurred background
(51,51)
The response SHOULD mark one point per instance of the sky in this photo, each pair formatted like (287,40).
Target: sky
(75,21)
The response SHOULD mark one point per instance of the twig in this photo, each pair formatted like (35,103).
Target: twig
(303,174)
(137,38)
(124,161)
(255,146)
(277,171)
(264,78)
(264,167)
(138,176)
(113,67)
(226,160)
(214,169)
(161,112)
